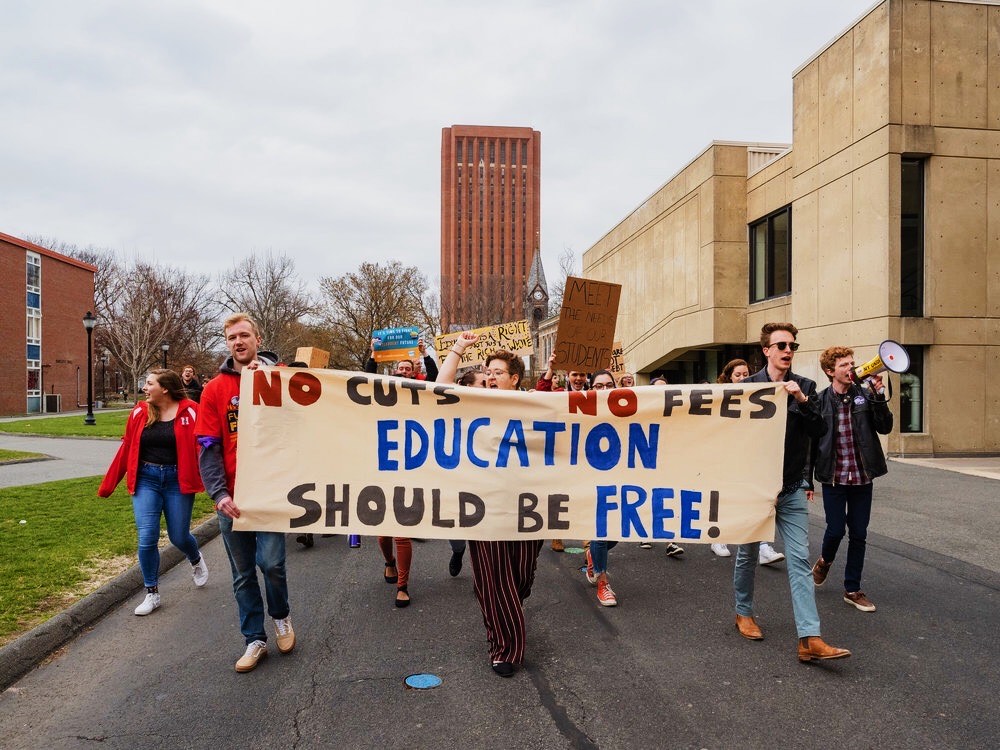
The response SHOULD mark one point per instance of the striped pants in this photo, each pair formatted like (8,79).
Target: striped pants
(502,574)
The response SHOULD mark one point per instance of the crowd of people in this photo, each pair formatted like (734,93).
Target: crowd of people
(182,439)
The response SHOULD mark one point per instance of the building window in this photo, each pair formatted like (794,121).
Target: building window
(911,392)
(911,238)
(771,256)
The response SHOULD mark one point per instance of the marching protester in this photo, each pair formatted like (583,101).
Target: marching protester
(576,380)
(847,458)
(597,551)
(804,423)
(736,371)
(247,550)
(627,380)
(405,368)
(159,458)
(672,550)
(470,379)
(502,571)
(192,386)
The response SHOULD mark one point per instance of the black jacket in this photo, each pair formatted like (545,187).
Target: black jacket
(803,426)
(867,419)
(430,367)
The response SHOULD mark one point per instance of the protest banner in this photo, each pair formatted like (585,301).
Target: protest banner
(396,343)
(587,320)
(617,359)
(514,337)
(351,453)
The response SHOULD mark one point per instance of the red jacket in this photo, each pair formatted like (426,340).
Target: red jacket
(126,461)
(545,384)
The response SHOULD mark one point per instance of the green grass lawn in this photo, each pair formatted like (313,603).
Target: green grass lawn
(109,424)
(69,544)
(10,456)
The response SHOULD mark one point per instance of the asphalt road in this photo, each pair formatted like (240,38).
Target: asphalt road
(68,458)
(664,669)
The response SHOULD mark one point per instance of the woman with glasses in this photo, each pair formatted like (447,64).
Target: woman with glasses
(597,550)
(502,572)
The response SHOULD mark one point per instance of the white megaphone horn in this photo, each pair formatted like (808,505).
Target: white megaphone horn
(891,356)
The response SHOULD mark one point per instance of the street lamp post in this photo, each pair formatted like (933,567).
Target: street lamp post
(104,376)
(165,347)
(89,321)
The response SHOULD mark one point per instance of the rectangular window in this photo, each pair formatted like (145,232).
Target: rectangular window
(34,272)
(771,256)
(911,392)
(911,238)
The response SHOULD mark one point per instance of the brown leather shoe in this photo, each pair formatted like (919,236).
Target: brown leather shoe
(558,546)
(749,628)
(820,570)
(815,648)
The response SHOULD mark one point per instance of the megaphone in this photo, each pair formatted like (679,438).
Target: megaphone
(891,356)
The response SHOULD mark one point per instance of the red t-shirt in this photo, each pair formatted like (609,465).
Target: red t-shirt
(217,417)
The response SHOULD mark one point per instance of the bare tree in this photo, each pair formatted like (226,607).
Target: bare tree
(268,289)
(567,267)
(374,296)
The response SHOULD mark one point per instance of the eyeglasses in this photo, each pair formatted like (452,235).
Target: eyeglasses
(782,345)
(602,386)
(496,373)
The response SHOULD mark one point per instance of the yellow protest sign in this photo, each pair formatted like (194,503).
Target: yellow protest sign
(514,337)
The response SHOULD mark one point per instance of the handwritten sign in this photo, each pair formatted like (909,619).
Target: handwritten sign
(617,360)
(691,463)
(396,343)
(514,337)
(585,337)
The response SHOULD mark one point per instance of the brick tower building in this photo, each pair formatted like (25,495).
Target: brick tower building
(490,222)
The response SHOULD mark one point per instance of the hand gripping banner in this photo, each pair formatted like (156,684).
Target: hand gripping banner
(340,452)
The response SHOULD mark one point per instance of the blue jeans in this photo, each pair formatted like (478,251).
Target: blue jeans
(792,522)
(599,554)
(247,551)
(847,506)
(156,493)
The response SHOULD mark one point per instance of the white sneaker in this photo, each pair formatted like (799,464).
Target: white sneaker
(256,651)
(721,550)
(151,602)
(286,636)
(769,555)
(199,572)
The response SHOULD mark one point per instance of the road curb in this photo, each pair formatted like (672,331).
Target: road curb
(20,656)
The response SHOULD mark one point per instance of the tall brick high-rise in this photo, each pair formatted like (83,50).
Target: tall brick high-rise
(490,222)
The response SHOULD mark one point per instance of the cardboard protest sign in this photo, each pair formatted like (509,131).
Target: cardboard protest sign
(396,343)
(586,332)
(353,453)
(617,366)
(514,337)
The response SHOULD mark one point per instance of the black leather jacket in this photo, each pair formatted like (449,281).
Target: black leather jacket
(804,426)
(867,419)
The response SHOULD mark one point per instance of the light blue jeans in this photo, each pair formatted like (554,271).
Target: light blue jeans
(247,551)
(156,493)
(792,522)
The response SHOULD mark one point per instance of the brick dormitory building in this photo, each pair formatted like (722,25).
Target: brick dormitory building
(43,298)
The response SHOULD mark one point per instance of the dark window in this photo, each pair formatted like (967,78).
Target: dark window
(911,392)
(458,151)
(911,238)
(771,256)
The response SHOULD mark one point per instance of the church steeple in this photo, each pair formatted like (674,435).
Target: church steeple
(536,292)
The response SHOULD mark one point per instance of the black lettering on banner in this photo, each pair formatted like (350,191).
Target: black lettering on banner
(526,504)
(767,408)
(354,394)
(371,505)
(671,398)
(335,506)
(730,404)
(471,509)
(385,393)
(311,509)
(701,402)
(408,515)
(445,395)
(436,520)
(414,386)
(557,507)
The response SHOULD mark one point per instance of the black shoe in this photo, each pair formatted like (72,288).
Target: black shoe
(402,602)
(306,540)
(503,668)
(674,549)
(455,564)
(391,578)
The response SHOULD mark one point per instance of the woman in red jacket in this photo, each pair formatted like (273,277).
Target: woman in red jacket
(159,458)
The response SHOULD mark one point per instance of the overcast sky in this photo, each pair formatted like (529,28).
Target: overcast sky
(193,132)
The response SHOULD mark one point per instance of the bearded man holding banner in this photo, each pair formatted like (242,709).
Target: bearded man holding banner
(502,572)
(804,423)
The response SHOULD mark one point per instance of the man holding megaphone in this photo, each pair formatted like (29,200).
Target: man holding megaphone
(848,457)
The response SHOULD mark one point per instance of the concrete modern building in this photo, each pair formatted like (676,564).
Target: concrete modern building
(881,220)
(490,222)
(43,298)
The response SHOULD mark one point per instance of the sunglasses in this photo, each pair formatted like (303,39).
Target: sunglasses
(782,345)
